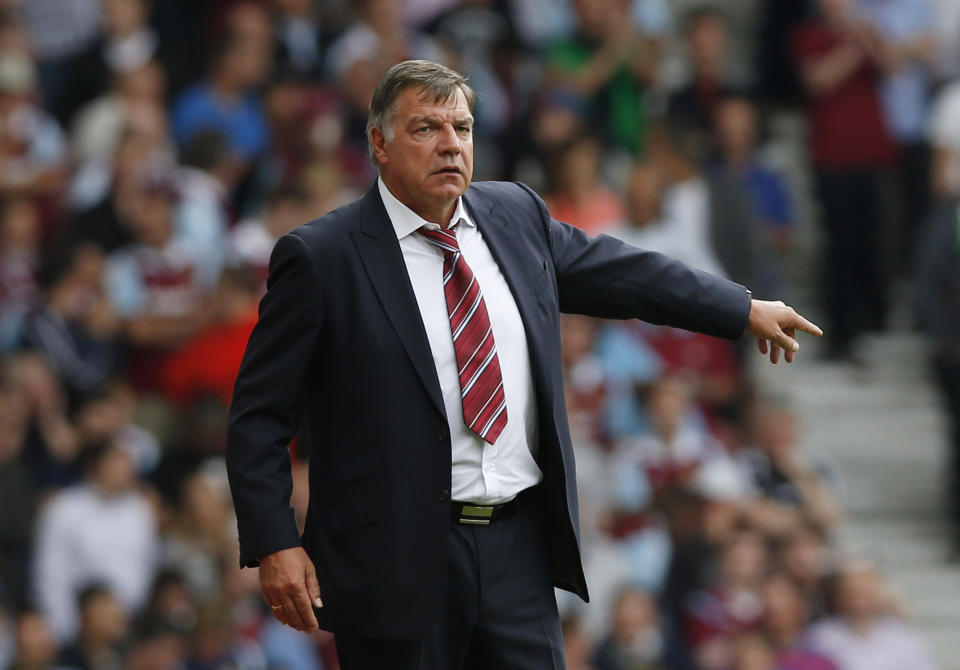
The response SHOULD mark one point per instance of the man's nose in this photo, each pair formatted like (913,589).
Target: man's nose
(448,142)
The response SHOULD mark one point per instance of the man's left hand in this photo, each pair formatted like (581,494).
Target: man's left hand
(775,326)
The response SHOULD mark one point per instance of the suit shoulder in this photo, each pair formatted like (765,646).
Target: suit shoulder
(506,193)
(331,229)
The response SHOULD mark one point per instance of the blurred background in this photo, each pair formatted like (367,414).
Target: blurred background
(735,515)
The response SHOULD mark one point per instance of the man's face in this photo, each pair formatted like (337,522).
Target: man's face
(429,162)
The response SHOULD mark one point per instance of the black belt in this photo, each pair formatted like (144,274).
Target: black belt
(483,515)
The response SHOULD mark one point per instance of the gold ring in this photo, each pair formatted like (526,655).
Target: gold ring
(275,607)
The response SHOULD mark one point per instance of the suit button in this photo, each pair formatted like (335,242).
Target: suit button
(444,495)
(443,435)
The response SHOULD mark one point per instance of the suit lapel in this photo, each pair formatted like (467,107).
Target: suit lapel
(518,269)
(383,261)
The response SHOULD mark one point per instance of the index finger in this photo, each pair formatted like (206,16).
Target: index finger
(800,323)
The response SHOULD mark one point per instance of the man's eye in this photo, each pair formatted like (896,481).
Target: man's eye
(422,129)
(464,129)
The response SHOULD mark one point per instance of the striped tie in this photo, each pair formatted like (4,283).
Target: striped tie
(481,385)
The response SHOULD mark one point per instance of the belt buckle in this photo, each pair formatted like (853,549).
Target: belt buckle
(477,515)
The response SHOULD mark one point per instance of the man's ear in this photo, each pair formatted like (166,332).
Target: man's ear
(379,145)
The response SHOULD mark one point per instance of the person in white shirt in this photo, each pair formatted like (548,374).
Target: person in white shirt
(100,530)
(864,635)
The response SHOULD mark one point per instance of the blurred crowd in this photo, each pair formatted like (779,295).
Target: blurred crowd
(152,152)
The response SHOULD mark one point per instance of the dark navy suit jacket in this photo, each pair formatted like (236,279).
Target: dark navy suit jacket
(341,356)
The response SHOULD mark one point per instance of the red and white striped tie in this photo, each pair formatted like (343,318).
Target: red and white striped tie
(481,384)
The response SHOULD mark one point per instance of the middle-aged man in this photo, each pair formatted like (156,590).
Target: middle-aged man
(412,339)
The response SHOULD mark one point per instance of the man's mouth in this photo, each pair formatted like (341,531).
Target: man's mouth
(449,170)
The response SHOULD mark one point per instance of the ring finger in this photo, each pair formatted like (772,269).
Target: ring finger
(279,613)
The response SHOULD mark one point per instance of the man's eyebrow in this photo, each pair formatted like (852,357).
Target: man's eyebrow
(433,121)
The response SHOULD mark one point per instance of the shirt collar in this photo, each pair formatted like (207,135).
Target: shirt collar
(406,222)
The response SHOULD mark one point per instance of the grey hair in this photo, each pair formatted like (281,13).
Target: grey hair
(436,82)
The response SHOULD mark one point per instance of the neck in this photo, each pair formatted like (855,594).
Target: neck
(223,85)
(438,213)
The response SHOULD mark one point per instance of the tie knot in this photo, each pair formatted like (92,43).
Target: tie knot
(446,240)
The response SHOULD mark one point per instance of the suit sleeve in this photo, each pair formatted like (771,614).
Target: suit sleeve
(607,278)
(265,411)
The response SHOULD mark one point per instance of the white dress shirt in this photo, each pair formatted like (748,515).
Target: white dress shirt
(84,536)
(482,473)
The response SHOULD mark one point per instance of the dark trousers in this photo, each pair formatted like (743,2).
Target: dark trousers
(947,370)
(500,612)
(854,282)
(914,181)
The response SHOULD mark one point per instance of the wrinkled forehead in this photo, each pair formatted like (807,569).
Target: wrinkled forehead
(422,102)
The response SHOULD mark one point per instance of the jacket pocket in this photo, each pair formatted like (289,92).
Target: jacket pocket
(356,466)
(354,513)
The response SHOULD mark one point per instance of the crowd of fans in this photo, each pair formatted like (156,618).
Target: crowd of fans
(152,152)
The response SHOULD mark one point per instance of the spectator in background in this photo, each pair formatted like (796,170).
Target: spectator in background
(840,65)
(785,621)
(103,629)
(74,329)
(694,105)
(171,606)
(905,29)
(252,240)
(58,31)
(301,37)
(35,647)
(156,286)
(375,39)
(712,207)
(795,486)
(608,64)
(108,416)
(50,446)
(201,538)
(155,647)
(100,190)
(671,219)
(226,101)
(636,640)
(736,126)
(127,43)
(805,559)
(20,251)
(18,501)
(99,125)
(863,634)
(33,151)
(578,195)
(733,604)
(207,364)
(676,444)
(203,212)
(102,529)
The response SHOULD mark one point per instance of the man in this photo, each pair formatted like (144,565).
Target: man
(443,502)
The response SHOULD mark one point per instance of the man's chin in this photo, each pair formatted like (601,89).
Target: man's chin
(449,191)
